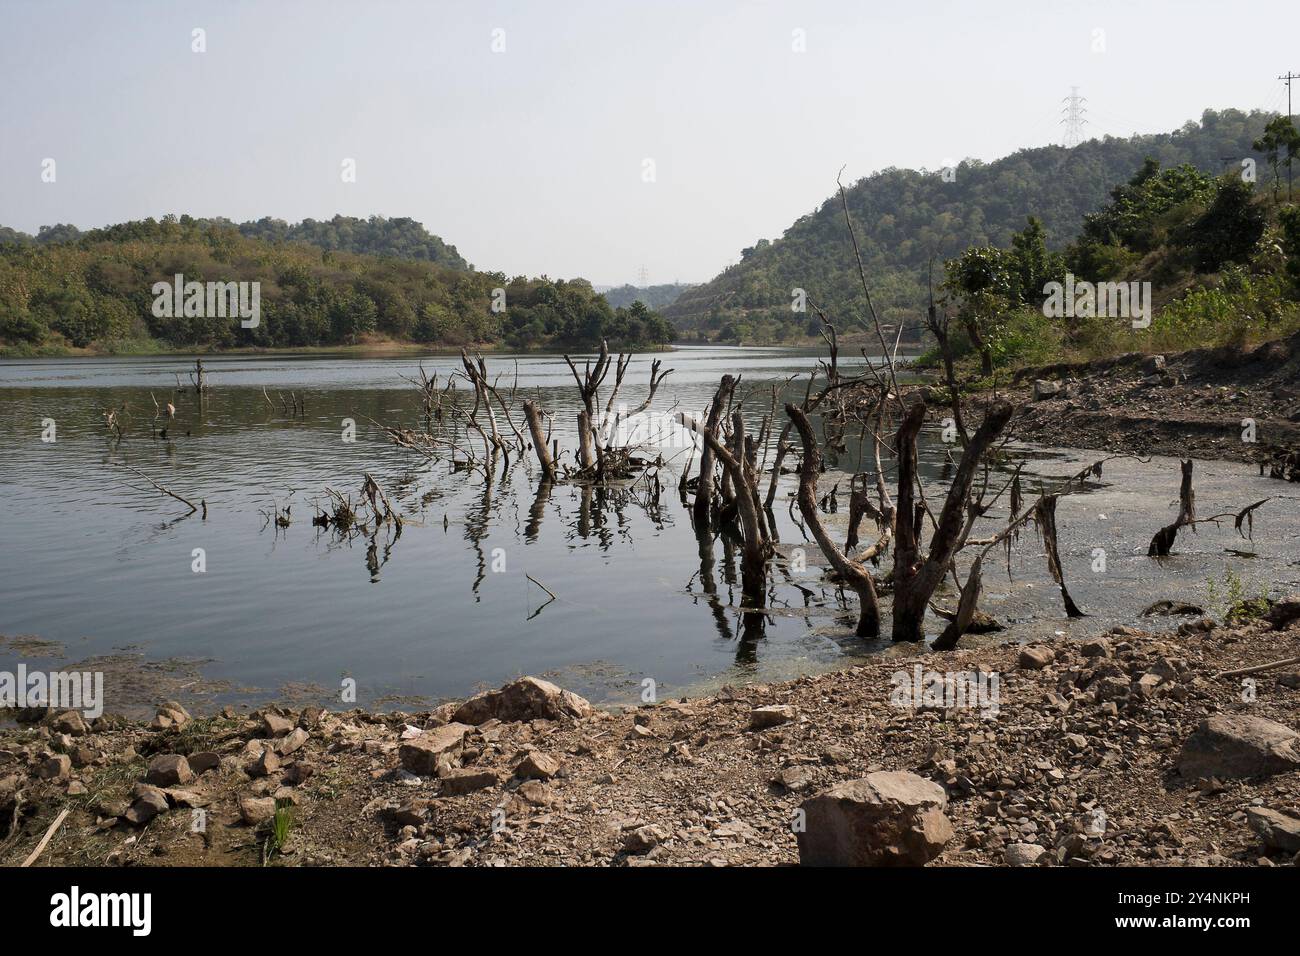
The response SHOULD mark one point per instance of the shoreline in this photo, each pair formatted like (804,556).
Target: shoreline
(1080,726)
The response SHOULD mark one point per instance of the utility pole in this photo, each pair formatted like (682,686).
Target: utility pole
(1073,119)
(1287,80)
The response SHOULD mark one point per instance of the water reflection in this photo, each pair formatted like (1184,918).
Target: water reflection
(459,592)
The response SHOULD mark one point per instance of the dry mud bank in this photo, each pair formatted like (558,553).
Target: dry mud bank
(1241,404)
(1124,750)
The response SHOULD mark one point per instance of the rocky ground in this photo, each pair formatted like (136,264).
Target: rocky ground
(1190,404)
(1123,750)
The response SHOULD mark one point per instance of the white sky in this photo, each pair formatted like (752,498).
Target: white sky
(531,160)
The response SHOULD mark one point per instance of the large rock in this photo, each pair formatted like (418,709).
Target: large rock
(421,754)
(537,766)
(169,770)
(275,725)
(1036,658)
(459,782)
(170,715)
(1235,745)
(263,764)
(1281,831)
(889,818)
(773,715)
(147,802)
(644,838)
(256,810)
(291,742)
(70,722)
(1045,389)
(204,760)
(1024,854)
(1282,613)
(57,767)
(528,698)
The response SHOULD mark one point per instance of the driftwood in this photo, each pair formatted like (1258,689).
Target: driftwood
(1259,667)
(45,840)
(202,505)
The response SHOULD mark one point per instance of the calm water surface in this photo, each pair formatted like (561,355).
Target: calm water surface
(98,562)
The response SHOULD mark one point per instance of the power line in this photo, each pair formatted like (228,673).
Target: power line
(1287,80)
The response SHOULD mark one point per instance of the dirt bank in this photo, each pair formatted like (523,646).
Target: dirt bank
(1191,404)
(1078,754)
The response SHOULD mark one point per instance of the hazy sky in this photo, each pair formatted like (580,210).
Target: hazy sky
(532,160)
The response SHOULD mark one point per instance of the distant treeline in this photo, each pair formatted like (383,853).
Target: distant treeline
(652,296)
(400,238)
(64,287)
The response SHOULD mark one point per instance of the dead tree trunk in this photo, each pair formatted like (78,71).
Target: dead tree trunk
(1046,521)
(1164,538)
(757,547)
(915,579)
(854,574)
(539,441)
(586,457)
(704,489)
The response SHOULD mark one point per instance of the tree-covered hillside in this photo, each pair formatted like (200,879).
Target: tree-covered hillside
(97,290)
(905,217)
(1176,259)
(399,238)
(652,296)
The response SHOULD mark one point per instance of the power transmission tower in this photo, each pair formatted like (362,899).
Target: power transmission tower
(1287,80)
(643,277)
(1073,119)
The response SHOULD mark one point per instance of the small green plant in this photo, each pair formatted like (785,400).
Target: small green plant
(1227,600)
(277,830)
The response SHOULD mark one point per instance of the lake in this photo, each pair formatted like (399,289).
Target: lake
(97,565)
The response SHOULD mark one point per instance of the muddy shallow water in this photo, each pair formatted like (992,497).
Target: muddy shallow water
(96,564)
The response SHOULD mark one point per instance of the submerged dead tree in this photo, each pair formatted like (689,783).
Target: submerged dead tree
(704,488)
(538,433)
(1243,521)
(915,577)
(1045,521)
(1164,538)
(853,572)
(756,548)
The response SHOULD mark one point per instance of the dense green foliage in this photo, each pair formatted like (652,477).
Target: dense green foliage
(906,218)
(97,289)
(376,236)
(652,296)
(1221,258)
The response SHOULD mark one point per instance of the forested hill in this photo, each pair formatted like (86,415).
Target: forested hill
(97,290)
(652,296)
(400,238)
(904,217)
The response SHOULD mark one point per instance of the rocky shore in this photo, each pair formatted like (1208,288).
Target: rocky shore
(1225,403)
(1128,749)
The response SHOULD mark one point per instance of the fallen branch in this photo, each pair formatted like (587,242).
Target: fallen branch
(167,491)
(40,847)
(1258,667)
